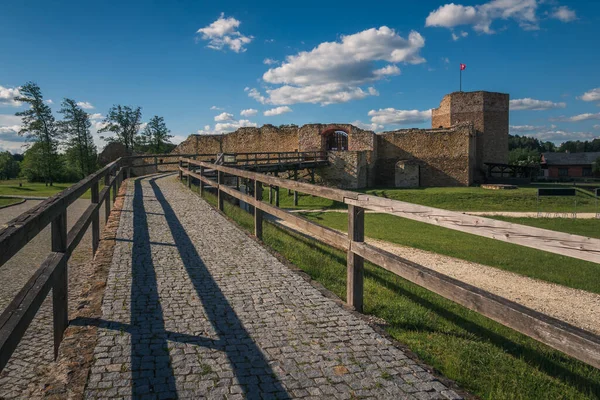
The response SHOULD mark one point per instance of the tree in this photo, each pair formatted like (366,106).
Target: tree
(39,126)
(596,166)
(124,122)
(9,168)
(33,166)
(80,148)
(157,135)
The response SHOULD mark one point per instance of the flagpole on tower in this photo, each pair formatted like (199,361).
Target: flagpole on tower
(462,68)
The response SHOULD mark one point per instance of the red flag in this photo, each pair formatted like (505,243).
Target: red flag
(463,67)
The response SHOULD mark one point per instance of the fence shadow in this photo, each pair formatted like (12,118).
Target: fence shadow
(246,366)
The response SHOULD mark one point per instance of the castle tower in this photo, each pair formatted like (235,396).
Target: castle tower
(488,112)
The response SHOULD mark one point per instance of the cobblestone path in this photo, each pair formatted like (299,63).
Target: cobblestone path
(194,308)
(22,375)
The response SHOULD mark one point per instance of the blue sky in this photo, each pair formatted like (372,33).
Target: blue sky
(383,66)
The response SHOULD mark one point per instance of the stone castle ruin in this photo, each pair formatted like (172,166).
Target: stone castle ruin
(469,129)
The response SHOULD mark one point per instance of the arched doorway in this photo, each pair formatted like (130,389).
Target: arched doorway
(335,140)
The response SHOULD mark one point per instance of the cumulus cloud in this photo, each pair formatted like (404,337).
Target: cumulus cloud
(391,116)
(277,111)
(224,117)
(215,108)
(481,17)
(269,61)
(8,95)
(221,128)
(95,116)
(564,14)
(249,112)
(525,128)
(223,33)
(333,72)
(578,118)
(49,101)
(10,140)
(533,104)
(591,95)
(368,127)
(86,105)
(462,34)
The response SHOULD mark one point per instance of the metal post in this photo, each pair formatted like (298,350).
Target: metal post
(60,298)
(355,263)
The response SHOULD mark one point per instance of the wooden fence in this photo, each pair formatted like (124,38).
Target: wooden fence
(571,340)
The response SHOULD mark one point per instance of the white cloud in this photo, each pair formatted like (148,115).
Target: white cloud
(481,16)
(457,36)
(564,14)
(526,128)
(221,128)
(333,72)
(368,127)
(533,104)
(391,116)
(224,117)
(578,118)
(223,33)
(215,108)
(95,116)
(597,126)
(591,95)
(85,105)
(10,140)
(8,95)
(277,111)
(250,112)
(49,101)
(269,61)
(562,136)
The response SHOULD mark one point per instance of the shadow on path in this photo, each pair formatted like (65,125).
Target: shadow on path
(249,364)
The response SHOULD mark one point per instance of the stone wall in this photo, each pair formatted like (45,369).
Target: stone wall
(445,156)
(347,170)
(489,114)
(312,137)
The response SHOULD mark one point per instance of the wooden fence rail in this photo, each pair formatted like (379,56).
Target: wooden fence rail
(571,340)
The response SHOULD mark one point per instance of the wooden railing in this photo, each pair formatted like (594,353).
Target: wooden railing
(52,274)
(246,159)
(571,340)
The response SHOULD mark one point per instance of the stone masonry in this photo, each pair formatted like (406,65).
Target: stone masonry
(194,308)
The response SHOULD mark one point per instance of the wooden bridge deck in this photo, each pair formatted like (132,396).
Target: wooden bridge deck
(195,307)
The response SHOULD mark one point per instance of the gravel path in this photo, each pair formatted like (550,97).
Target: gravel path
(195,308)
(577,307)
(35,353)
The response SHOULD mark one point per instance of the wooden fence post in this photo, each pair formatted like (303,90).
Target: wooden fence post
(355,263)
(180,171)
(156,165)
(95,218)
(189,177)
(295,191)
(258,213)
(114,188)
(219,192)
(60,288)
(201,182)
(107,198)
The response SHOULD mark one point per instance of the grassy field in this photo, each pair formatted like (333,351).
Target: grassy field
(12,188)
(484,357)
(510,257)
(6,202)
(460,199)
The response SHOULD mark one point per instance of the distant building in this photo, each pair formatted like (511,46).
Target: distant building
(568,165)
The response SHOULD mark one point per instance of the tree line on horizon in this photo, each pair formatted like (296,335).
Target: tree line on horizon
(64,150)
(526,150)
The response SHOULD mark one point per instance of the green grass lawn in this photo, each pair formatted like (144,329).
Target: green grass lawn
(7,202)
(12,188)
(459,199)
(478,199)
(482,356)
(510,257)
